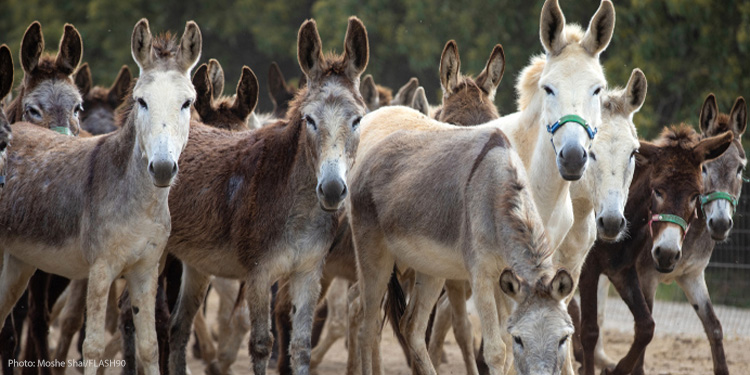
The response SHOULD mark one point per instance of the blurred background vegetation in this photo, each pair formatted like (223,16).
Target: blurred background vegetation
(686,48)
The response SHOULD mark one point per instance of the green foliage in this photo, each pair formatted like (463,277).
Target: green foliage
(686,49)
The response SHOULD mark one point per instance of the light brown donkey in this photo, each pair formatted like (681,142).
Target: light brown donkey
(270,199)
(97,207)
(48,97)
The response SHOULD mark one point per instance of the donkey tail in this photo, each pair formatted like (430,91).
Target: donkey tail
(395,307)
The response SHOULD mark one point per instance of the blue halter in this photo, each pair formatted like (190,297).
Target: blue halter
(572,118)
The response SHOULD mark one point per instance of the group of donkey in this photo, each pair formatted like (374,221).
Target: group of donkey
(344,180)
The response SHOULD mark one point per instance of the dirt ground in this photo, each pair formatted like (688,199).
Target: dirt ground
(668,354)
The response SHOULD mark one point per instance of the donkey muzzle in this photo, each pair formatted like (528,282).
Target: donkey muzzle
(720,227)
(571,161)
(609,227)
(162,171)
(331,193)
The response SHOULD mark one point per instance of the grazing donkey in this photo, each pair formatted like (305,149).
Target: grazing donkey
(99,103)
(225,112)
(459,197)
(722,185)
(47,96)
(110,215)
(663,198)
(274,213)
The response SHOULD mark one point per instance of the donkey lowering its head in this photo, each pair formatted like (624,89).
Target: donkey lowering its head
(663,199)
(97,207)
(48,97)
(270,199)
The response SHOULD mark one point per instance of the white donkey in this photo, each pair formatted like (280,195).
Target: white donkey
(96,207)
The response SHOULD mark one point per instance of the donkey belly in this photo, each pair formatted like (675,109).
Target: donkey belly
(211,260)
(429,257)
(66,260)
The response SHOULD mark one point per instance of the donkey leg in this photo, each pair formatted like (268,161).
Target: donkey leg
(589,325)
(282,316)
(601,359)
(192,293)
(375,268)
(629,287)
(413,325)
(259,303)
(697,293)
(142,284)
(336,323)
(457,295)
(649,282)
(305,289)
(229,347)
(353,362)
(440,326)
(100,280)
(14,278)
(208,350)
(127,330)
(494,347)
(71,319)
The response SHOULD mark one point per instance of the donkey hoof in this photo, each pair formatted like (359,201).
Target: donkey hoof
(609,370)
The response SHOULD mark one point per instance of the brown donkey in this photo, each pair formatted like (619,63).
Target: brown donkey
(48,97)
(270,199)
(99,103)
(722,185)
(662,201)
(109,216)
(223,112)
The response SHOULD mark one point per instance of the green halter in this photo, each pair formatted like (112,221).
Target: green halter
(708,198)
(670,219)
(572,118)
(61,130)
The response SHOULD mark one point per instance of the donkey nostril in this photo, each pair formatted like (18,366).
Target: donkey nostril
(622,222)
(657,251)
(344,191)
(151,168)
(174,168)
(710,222)
(678,256)
(600,222)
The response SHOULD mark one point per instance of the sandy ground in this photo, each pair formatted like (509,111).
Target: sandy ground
(678,346)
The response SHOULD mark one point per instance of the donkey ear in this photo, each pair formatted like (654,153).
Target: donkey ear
(32,47)
(203,91)
(551,26)
(71,50)
(510,284)
(356,48)
(277,87)
(561,285)
(490,77)
(600,30)
(190,46)
(309,50)
(712,147)
(450,65)
(738,117)
(83,79)
(120,88)
(405,94)
(140,44)
(647,151)
(216,77)
(709,114)
(420,101)
(369,92)
(247,93)
(6,71)
(635,93)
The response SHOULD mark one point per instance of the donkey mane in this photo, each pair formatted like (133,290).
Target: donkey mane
(682,135)
(165,45)
(528,80)
(385,95)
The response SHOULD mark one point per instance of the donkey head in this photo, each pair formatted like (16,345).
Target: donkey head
(540,324)
(613,156)
(467,101)
(6,82)
(674,164)
(48,96)
(163,95)
(223,112)
(722,177)
(331,106)
(571,82)
(100,103)
(281,93)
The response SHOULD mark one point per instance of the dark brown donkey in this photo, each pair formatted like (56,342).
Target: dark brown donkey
(223,112)
(280,92)
(47,96)
(722,185)
(663,199)
(6,83)
(270,199)
(99,102)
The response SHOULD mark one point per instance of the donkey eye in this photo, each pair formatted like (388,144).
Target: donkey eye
(518,341)
(356,121)
(563,340)
(703,169)
(186,105)
(657,193)
(593,155)
(548,90)
(142,103)
(310,122)
(597,91)
(77,110)
(33,112)
(739,170)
